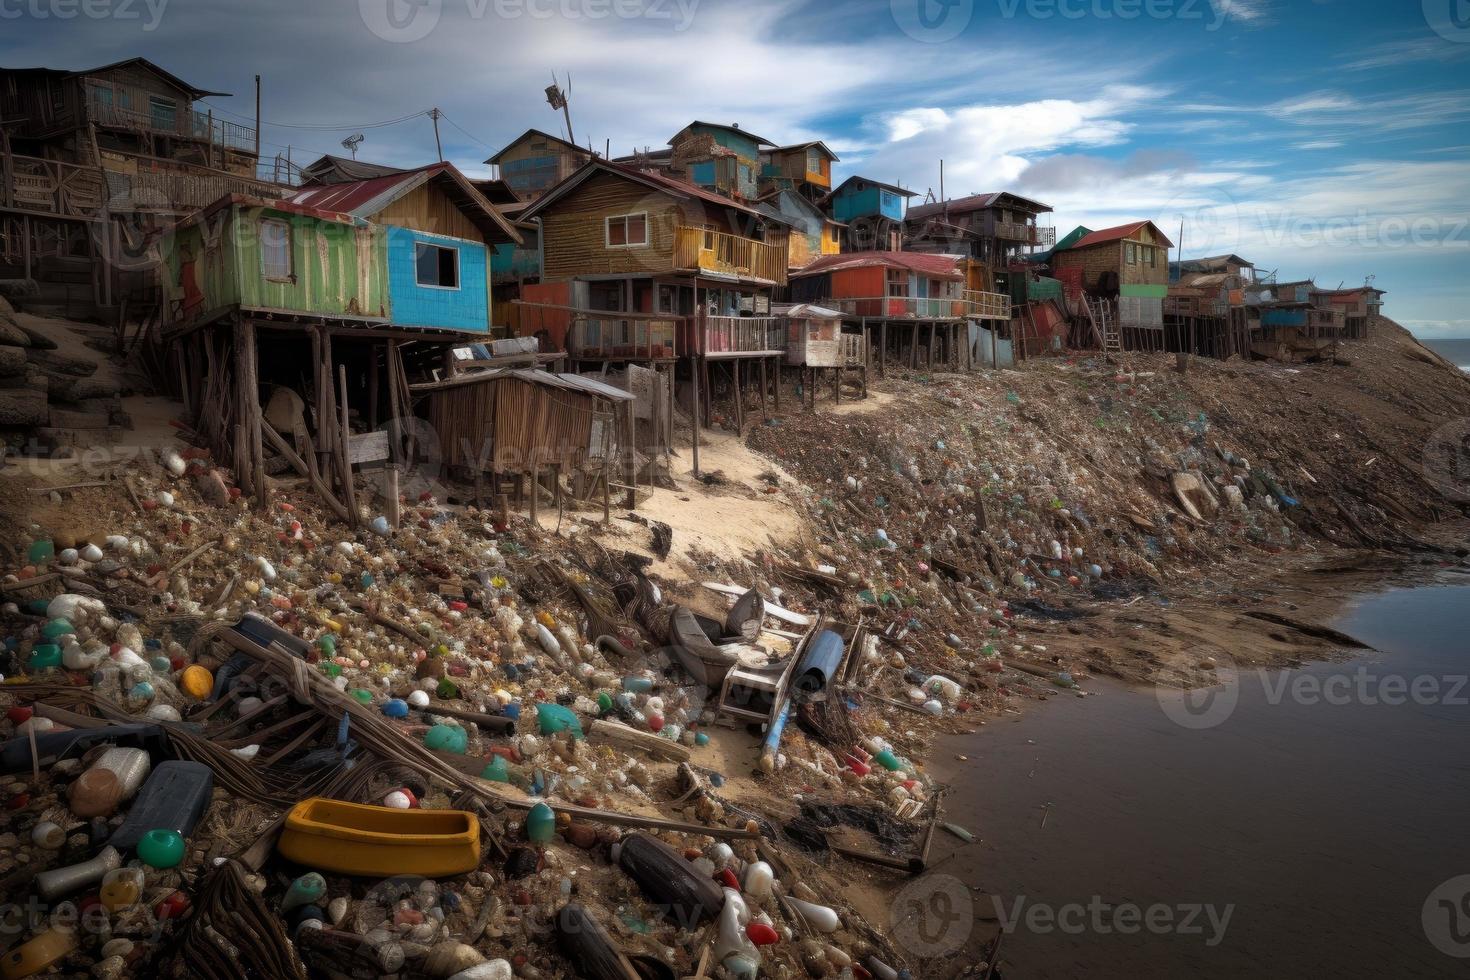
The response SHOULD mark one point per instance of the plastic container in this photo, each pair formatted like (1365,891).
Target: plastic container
(38,954)
(497,770)
(56,882)
(121,888)
(541,824)
(553,718)
(161,848)
(355,839)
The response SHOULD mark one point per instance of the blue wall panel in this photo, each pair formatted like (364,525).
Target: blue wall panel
(464,308)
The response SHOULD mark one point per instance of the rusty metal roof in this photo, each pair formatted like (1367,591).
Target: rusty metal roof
(1120,232)
(974,202)
(365,198)
(924,263)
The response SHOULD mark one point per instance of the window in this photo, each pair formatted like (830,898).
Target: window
(627,230)
(1153,255)
(814,161)
(436,266)
(275,250)
(164,113)
(1130,253)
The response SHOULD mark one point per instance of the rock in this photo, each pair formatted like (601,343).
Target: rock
(448,958)
(211,486)
(23,407)
(581,835)
(12,335)
(12,360)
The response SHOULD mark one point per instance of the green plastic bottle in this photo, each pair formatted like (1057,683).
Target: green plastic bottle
(497,771)
(887,760)
(541,823)
(57,627)
(45,655)
(447,738)
(41,552)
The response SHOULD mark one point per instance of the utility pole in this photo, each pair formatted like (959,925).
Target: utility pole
(257,118)
(559,99)
(434,114)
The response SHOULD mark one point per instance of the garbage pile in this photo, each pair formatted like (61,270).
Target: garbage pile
(240,739)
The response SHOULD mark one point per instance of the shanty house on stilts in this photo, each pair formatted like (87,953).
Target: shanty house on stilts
(287,320)
(904,303)
(1125,271)
(641,268)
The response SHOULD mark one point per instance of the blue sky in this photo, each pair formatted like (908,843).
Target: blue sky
(1323,138)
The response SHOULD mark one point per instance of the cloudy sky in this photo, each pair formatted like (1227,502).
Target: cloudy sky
(1322,138)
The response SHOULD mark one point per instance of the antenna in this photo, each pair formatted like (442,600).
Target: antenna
(559,98)
(352,143)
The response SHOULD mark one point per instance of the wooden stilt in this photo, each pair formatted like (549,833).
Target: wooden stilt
(344,461)
(698,415)
(763,388)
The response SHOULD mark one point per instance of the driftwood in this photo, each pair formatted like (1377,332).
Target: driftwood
(1310,629)
(631,738)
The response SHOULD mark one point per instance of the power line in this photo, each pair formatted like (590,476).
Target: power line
(321,126)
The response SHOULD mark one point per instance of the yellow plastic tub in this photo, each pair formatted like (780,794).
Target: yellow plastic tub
(379,841)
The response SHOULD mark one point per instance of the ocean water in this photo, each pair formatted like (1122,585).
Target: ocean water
(1309,823)
(1456,350)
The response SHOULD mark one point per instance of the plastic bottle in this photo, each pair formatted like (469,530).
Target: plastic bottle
(887,760)
(40,953)
(121,888)
(733,948)
(161,849)
(941,686)
(821,918)
(758,880)
(541,823)
(497,771)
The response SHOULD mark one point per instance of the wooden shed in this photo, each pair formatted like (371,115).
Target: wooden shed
(524,421)
(813,335)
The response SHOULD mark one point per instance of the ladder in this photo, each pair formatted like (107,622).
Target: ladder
(1104,324)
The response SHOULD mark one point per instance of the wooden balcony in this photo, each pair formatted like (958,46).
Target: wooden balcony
(720,254)
(612,337)
(729,335)
(53,187)
(970,304)
(1020,231)
(180,123)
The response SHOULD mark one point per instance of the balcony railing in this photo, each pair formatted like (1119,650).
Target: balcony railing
(733,334)
(616,337)
(972,303)
(54,187)
(177,122)
(1020,231)
(718,253)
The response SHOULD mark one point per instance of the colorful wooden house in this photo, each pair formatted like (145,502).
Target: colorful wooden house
(903,294)
(718,158)
(1360,307)
(813,233)
(1128,261)
(347,286)
(872,211)
(995,229)
(534,162)
(805,168)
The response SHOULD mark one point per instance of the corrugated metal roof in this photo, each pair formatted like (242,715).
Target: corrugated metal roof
(1120,232)
(656,181)
(938,266)
(974,202)
(365,198)
(800,311)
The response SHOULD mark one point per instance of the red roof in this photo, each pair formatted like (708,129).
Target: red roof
(356,195)
(924,263)
(1119,233)
(365,198)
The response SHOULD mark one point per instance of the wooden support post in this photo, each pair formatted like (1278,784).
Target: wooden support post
(837,385)
(739,401)
(252,418)
(349,494)
(883,349)
(780,363)
(763,388)
(535,488)
(373,387)
(395,515)
(630,468)
(698,419)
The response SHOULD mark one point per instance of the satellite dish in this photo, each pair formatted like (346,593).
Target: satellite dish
(352,142)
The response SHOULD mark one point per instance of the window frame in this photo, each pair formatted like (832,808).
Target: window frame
(607,230)
(265,272)
(419,243)
(1130,253)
